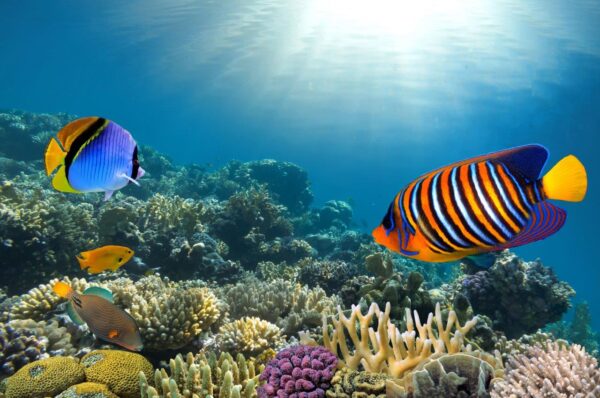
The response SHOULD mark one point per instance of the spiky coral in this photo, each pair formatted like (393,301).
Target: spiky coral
(249,336)
(386,349)
(169,315)
(550,371)
(202,376)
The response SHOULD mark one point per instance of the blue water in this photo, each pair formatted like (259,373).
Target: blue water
(365,95)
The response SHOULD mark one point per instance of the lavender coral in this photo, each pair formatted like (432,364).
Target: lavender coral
(298,372)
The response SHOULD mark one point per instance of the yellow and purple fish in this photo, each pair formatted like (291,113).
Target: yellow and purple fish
(107,321)
(92,154)
(481,205)
(105,258)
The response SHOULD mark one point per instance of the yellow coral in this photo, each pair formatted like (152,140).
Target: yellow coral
(46,377)
(205,376)
(386,349)
(87,390)
(249,335)
(118,370)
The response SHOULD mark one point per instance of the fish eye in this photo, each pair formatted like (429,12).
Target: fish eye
(128,251)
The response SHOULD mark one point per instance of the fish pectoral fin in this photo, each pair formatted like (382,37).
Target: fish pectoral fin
(113,333)
(123,175)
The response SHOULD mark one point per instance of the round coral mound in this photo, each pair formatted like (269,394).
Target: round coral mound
(298,372)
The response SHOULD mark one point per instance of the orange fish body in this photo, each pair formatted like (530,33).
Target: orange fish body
(105,258)
(480,205)
(107,321)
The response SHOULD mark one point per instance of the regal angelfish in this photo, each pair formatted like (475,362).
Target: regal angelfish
(480,205)
(93,154)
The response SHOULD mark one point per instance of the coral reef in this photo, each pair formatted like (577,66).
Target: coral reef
(330,275)
(520,297)
(249,336)
(169,316)
(578,330)
(347,383)
(385,349)
(299,371)
(550,371)
(204,376)
(87,390)
(118,370)
(18,347)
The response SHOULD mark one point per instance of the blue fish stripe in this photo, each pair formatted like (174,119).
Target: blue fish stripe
(486,205)
(524,198)
(465,213)
(443,221)
(505,199)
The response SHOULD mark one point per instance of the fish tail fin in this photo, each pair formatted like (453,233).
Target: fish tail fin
(567,180)
(53,156)
(62,289)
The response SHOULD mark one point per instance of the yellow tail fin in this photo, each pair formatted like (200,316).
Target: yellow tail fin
(567,180)
(53,156)
(62,289)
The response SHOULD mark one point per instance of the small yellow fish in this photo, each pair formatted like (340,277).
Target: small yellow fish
(104,258)
(107,321)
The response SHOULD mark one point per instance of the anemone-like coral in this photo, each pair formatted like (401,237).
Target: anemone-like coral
(550,371)
(169,316)
(118,370)
(203,376)
(519,296)
(249,336)
(37,302)
(290,306)
(298,371)
(386,349)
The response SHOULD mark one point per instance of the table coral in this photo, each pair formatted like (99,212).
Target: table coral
(169,316)
(386,349)
(298,371)
(550,371)
(203,376)
(45,377)
(118,370)
(249,336)
(519,296)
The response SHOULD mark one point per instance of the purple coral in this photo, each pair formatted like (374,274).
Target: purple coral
(298,372)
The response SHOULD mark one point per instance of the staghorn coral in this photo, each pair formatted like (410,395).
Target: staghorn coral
(292,307)
(386,349)
(298,371)
(169,316)
(348,383)
(37,302)
(550,371)
(45,377)
(118,370)
(249,336)
(520,297)
(203,376)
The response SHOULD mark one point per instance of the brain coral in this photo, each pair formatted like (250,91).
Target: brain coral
(249,336)
(118,370)
(550,371)
(46,377)
(169,315)
(87,390)
(299,371)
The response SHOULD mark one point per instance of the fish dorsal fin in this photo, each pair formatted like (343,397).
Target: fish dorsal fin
(546,219)
(100,292)
(527,160)
(71,131)
(74,315)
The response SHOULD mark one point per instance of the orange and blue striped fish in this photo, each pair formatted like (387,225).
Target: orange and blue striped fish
(481,205)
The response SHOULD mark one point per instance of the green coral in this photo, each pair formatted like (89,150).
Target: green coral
(46,377)
(204,376)
(118,370)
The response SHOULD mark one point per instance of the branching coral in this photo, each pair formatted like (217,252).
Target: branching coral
(551,371)
(203,376)
(249,336)
(169,316)
(386,349)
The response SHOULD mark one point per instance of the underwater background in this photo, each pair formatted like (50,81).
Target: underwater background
(361,97)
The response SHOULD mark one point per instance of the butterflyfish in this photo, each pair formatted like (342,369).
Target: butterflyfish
(92,154)
(481,205)
(95,308)
(105,258)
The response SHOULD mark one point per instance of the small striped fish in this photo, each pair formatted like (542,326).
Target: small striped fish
(93,154)
(481,205)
